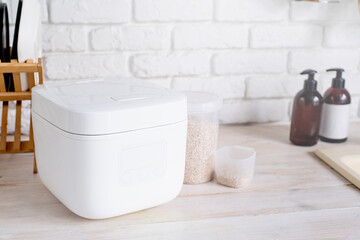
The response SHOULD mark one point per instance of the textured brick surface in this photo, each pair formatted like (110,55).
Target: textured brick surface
(175,64)
(250,62)
(252,10)
(90,11)
(323,59)
(199,36)
(85,66)
(225,87)
(64,38)
(267,86)
(131,38)
(343,35)
(261,111)
(173,10)
(345,11)
(249,52)
(285,36)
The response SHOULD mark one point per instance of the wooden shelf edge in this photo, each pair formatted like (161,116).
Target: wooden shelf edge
(15,96)
(25,147)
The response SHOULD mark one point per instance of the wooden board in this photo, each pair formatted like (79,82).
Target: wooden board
(294,195)
(345,160)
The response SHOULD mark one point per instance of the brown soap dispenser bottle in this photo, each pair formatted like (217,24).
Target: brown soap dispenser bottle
(336,111)
(306,115)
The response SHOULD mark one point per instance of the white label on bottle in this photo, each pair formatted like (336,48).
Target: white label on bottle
(335,121)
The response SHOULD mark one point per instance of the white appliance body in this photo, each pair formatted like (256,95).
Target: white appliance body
(105,175)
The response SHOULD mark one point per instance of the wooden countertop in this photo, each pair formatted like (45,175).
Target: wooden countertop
(294,195)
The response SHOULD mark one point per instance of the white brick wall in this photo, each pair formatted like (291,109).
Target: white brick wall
(232,87)
(250,52)
(131,38)
(342,35)
(64,38)
(217,36)
(252,61)
(252,10)
(323,59)
(174,64)
(67,66)
(90,11)
(286,36)
(172,10)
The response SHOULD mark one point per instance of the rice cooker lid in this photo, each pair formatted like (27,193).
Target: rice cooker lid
(108,106)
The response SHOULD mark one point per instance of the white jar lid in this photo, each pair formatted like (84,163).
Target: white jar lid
(203,102)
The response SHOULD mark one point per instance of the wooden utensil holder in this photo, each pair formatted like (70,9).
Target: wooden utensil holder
(15,68)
